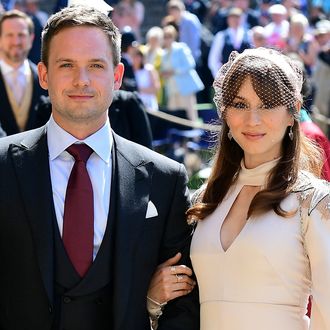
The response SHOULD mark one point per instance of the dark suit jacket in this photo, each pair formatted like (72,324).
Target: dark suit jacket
(2,132)
(127,115)
(140,244)
(7,117)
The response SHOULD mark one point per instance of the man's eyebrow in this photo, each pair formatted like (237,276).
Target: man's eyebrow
(64,60)
(97,60)
(92,60)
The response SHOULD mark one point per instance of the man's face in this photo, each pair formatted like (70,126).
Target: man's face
(80,77)
(15,41)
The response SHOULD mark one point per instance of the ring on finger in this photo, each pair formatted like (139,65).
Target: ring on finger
(173,270)
(178,277)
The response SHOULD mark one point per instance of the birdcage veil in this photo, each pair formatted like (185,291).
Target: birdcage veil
(276,78)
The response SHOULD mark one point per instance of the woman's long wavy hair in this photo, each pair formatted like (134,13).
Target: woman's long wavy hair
(297,154)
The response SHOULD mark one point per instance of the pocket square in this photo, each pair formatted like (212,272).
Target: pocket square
(151,210)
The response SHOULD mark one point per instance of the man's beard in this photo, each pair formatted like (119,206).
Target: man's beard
(15,58)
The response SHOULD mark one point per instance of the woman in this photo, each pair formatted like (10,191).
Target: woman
(147,80)
(180,77)
(301,42)
(262,241)
(153,54)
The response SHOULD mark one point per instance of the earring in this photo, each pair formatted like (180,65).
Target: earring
(230,136)
(291,133)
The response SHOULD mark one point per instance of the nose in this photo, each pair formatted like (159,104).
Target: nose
(81,78)
(253,117)
(16,40)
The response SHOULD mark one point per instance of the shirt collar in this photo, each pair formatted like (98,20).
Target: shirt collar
(58,140)
(6,68)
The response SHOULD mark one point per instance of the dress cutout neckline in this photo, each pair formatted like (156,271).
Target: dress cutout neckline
(247,177)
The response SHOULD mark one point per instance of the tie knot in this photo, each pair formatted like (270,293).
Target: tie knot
(80,152)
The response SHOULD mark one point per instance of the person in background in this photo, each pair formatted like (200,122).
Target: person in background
(249,17)
(129,13)
(217,15)
(153,53)
(39,18)
(32,7)
(278,29)
(302,42)
(263,229)
(83,221)
(189,27)
(180,77)
(19,84)
(258,37)
(7,4)
(321,74)
(147,79)
(128,44)
(235,37)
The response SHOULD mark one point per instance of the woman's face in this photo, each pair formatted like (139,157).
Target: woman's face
(168,39)
(257,129)
(136,60)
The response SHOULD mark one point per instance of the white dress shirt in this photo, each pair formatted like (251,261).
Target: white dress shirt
(215,56)
(99,167)
(16,79)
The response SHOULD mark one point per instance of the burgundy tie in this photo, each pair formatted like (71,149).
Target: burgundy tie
(78,219)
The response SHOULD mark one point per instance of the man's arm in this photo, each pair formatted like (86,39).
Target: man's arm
(183,312)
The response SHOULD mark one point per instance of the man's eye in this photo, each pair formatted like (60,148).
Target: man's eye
(97,66)
(66,65)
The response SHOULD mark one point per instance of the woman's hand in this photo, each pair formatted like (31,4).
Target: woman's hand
(170,281)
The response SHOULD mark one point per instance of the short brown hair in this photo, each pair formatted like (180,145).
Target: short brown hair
(75,16)
(10,14)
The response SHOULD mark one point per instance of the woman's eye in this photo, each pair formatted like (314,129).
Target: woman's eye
(239,105)
(267,107)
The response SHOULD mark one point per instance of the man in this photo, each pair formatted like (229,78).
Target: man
(249,17)
(235,37)
(79,243)
(19,86)
(189,27)
(127,115)
(128,45)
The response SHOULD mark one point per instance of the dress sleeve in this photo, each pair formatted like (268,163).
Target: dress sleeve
(317,245)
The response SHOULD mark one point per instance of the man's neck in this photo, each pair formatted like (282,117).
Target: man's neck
(14,65)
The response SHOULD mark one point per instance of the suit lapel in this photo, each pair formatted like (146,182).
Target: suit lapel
(134,180)
(30,160)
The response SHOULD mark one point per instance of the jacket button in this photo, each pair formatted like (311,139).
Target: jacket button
(66,300)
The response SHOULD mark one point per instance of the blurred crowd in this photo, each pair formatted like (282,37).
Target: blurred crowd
(172,65)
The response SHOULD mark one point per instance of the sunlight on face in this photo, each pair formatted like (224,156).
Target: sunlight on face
(80,79)
(258,129)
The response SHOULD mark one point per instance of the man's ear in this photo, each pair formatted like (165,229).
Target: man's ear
(43,75)
(118,75)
